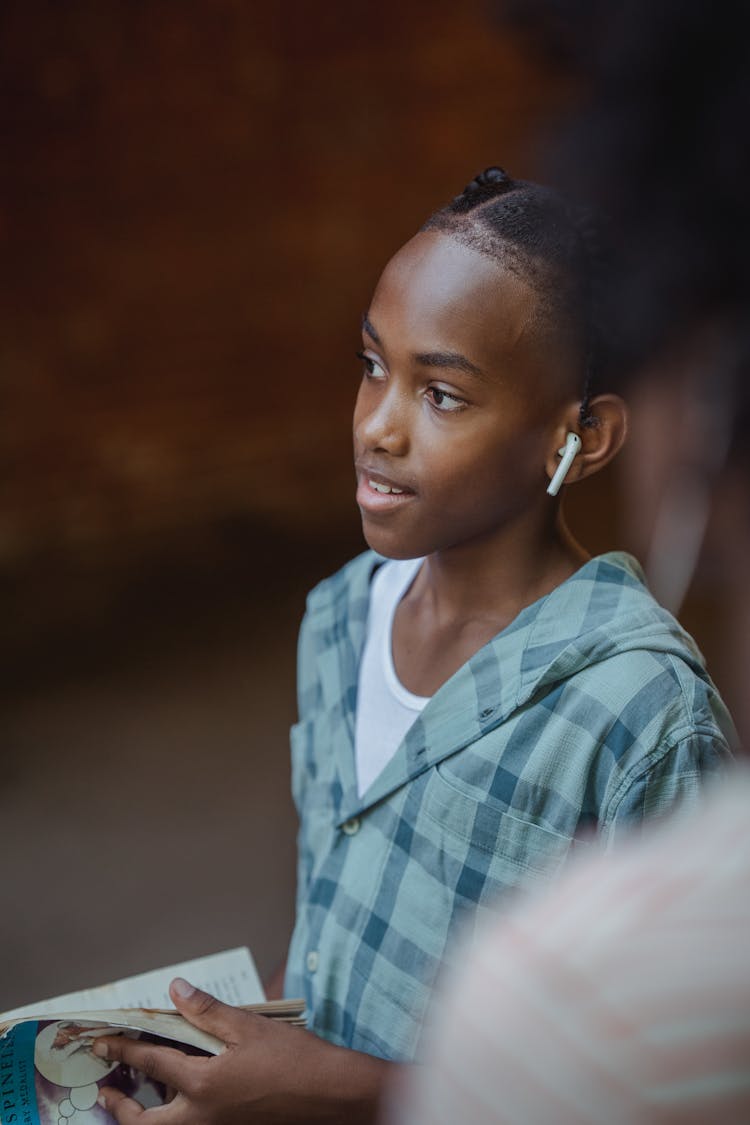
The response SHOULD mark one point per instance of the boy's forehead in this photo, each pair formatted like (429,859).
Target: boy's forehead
(454,295)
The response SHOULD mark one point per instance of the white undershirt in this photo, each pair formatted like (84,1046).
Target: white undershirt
(385,709)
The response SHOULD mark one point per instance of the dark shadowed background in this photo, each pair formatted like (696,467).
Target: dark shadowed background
(196,200)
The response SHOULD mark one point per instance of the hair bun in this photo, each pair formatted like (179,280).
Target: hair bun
(491,182)
(493,178)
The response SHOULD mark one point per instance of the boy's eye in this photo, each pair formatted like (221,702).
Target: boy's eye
(443,401)
(373,370)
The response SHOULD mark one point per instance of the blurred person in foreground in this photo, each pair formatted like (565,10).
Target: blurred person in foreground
(623,995)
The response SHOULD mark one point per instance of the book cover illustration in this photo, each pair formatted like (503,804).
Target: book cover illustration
(49,1074)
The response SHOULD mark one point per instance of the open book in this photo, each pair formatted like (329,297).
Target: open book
(48,1072)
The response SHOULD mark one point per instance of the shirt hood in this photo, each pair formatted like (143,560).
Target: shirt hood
(602,610)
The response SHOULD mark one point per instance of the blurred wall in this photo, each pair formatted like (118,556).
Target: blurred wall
(196,200)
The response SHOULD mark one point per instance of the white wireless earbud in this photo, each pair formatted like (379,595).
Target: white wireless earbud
(568,452)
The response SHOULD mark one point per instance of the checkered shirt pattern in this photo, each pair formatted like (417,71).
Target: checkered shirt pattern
(620,996)
(591,711)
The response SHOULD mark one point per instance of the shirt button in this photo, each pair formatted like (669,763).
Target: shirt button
(351,827)
(312,960)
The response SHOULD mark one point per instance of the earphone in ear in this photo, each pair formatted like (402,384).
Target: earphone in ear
(568,452)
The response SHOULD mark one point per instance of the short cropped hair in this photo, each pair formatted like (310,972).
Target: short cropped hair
(557,249)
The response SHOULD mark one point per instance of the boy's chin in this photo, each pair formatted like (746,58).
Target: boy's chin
(388,547)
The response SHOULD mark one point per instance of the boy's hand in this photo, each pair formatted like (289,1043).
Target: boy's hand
(269,1072)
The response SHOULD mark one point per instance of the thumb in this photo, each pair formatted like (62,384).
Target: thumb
(205,1011)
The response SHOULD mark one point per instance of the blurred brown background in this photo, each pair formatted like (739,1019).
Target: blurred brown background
(196,199)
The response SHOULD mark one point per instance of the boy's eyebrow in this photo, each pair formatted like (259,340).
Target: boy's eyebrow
(430,359)
(449,359)
(368,328)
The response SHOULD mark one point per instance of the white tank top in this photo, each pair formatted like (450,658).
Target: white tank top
(385,709)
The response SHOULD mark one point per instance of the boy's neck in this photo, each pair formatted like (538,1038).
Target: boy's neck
(494,580)
(463,597)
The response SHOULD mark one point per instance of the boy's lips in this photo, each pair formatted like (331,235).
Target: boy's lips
(377,492)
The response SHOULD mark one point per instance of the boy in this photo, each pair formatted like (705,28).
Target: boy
(487,698)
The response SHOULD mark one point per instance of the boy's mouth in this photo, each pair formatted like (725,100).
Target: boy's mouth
(386,489)
(375,492)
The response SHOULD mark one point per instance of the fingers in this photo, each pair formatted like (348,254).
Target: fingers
(206,1012)
(125,1110)
(164,1064)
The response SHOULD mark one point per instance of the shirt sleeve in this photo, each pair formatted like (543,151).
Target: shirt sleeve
(670,777)
(308,680)
(308,697)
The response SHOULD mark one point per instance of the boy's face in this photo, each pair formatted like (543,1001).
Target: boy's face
(454,411)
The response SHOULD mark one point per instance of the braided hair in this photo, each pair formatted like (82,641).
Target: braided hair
(534,232)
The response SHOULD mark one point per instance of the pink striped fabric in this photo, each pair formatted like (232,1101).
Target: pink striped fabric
(621,996)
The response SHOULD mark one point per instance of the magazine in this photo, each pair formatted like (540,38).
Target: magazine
(48,1072)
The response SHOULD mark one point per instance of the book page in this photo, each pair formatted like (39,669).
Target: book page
(231,976)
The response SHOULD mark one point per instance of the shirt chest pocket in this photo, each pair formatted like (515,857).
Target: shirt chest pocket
(496,849)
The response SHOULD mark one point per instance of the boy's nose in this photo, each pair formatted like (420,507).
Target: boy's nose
(383,426)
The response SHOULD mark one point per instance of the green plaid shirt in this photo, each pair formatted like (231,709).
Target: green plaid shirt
(590,711)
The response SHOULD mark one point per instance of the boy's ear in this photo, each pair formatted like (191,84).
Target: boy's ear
(602,436)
